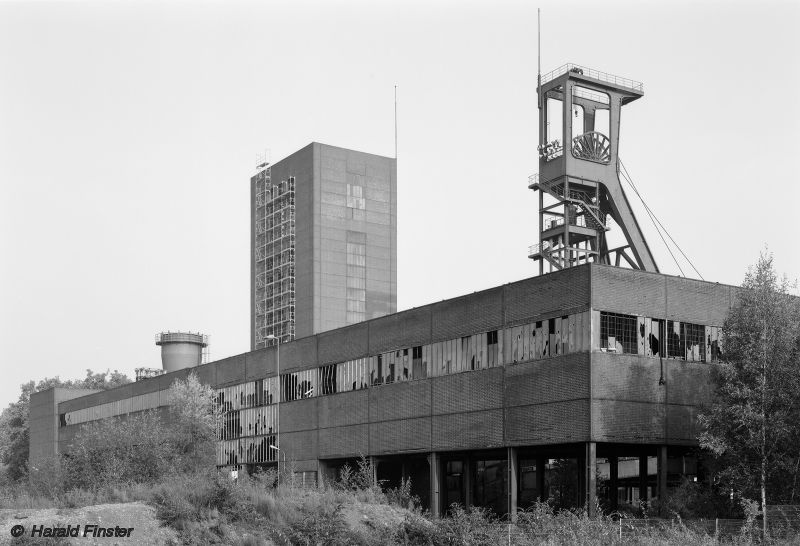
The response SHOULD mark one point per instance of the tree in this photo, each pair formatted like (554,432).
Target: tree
(14,435)
(195,420)
(752,425)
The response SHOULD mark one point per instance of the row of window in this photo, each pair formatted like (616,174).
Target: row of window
(140,402)
(541,339)
(659,337)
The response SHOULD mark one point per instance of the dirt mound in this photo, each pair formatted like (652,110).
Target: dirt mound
(141,518)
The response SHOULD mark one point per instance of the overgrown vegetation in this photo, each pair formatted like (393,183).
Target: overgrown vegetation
(752,427)
(14,427)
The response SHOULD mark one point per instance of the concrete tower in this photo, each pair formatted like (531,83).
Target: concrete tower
(324,242)
(578,181)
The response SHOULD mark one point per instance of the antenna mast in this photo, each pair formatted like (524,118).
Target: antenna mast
(539,53)
(395,122)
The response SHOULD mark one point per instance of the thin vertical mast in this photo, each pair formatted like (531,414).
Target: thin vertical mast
(395,122)
(539,53)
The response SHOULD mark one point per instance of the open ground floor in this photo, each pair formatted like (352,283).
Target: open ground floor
(614,477)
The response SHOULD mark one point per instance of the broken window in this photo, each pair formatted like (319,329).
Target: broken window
(327,379)
(674,340)
(713,343)
(298,385)
(617,333)
(418,368)
(492,349)
(695,334)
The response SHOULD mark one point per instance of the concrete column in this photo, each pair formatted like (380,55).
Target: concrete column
(589,478)
(642,478)
(512,482)
(433,466)
(374,464)
(541,463)
(662,475)
(613,469)
(469,481)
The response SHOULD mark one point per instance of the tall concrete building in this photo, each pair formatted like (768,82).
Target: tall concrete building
(323,242)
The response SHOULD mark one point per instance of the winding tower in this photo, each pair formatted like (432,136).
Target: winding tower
(578,180)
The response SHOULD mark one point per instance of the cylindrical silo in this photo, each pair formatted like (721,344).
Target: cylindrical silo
(181,349)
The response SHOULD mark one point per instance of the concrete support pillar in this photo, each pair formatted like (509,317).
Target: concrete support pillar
(541,463)
(512,482)
(662,476)
(322,474)
(613,470)
(469,481)
(374,464)
(589,478)
(433,466)
(642,479)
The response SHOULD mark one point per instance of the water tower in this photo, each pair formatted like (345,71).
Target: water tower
(181,350)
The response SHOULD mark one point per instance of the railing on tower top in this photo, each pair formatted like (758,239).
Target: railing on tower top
(596,74)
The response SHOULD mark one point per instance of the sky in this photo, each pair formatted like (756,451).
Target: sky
(129,132)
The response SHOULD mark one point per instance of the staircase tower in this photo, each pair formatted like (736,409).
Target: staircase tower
(578,180)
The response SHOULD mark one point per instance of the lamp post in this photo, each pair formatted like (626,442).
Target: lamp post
(277,445)
(280,451)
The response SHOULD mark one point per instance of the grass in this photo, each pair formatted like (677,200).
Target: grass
(208,508)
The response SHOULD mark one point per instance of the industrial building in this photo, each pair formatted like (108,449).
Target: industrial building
(323,242)
(580,384)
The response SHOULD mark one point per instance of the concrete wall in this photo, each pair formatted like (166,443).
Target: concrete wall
(335,221)
(43,419)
